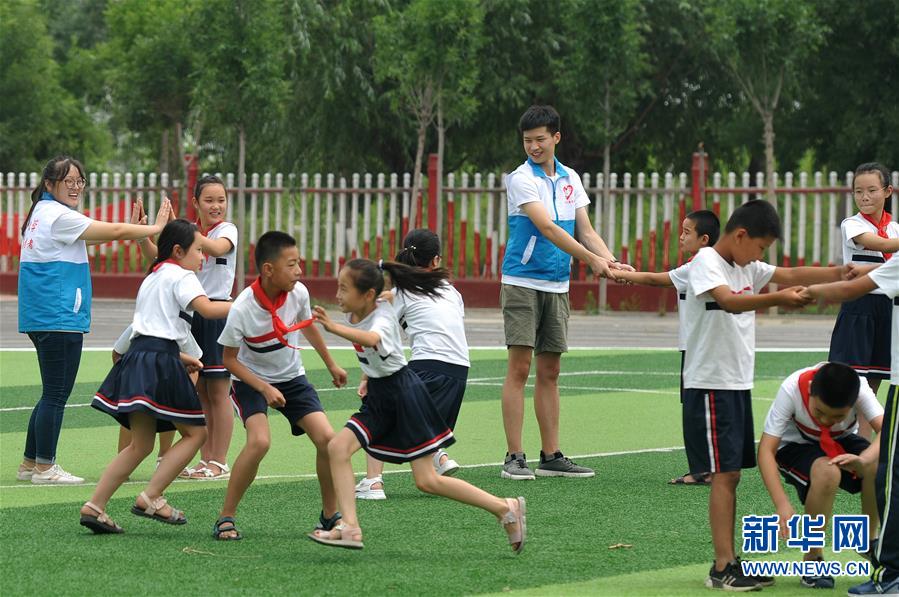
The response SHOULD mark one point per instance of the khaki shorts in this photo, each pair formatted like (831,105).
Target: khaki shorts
(535,318)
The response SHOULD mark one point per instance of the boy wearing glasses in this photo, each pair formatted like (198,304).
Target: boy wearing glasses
(861,335)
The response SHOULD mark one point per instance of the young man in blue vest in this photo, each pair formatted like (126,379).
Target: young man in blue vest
(548,224)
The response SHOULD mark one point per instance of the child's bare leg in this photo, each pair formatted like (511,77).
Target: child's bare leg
(203,395)
(428,481)
(340,449)
(824,480)
(124,438)
(373,468)
(220,419)
(246,465)
(319,430)
(166,438)
(143,438)
(722,513)
(869,499)
(192,437)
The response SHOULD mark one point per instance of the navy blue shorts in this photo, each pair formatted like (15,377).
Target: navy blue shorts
(206,332)
(398,421)
(150,379)
(861,336)
(446,385)
(795,463)
(718,430)
(300,397)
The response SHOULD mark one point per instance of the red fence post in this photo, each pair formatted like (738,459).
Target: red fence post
(432,192)
(699,177)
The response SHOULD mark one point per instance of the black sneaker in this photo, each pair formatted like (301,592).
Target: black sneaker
(765,581)
(817,582)
(558,465)
(731,579)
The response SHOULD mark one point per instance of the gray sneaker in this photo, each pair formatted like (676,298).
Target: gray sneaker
(560,466)
(516,468)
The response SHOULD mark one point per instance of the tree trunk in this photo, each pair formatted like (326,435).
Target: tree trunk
(441,136)
(770,194)
(416,175)
(768,120)
(241,212)
(164,151)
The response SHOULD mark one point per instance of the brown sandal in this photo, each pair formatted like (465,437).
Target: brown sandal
(326,537)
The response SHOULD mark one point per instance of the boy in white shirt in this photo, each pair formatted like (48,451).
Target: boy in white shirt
(259,339)
(722,297)
(885,577)
(813,420)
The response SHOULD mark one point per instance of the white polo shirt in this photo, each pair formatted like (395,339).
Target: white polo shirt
(435,325)
(217,273)
(853,252)
(249,327)
(789,420)
(680,278)
(720,345)
(162,303)
(385,358)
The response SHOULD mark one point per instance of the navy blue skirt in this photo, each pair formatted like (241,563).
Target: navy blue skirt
(446,385)
(861,336)
(150,379)
(398,421)
(206,332)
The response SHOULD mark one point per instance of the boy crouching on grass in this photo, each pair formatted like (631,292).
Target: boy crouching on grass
(811,438)
(259,339)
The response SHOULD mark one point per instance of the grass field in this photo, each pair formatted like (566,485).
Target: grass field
(620,415)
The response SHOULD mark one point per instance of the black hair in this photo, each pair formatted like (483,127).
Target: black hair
(270,245)
(205,181)
(178,232)
(836,385)
(707,223)
(758,217)
(55,170)
(368,275)
(875,168)
(537,116)
(420,247)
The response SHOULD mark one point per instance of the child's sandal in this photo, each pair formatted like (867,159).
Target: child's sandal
(101,524)
(174,517)
(189,470)
(327,538)
(516,515)
(326,524)
(206,474)
(225,524)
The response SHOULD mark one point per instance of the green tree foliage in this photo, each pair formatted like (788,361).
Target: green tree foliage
(39,117)
(765,45)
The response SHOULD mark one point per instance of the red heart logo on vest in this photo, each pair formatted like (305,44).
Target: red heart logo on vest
(568,190)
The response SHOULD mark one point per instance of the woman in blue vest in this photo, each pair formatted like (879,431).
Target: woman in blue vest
(55,301)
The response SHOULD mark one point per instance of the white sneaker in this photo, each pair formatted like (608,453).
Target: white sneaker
(55,476)
(448,468)
(24,475)
(364,489)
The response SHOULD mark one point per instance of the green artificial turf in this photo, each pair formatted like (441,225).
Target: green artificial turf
(620,410)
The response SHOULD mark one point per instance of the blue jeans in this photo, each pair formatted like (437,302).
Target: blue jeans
(59,355)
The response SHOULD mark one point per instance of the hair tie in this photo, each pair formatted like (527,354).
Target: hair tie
(381,264)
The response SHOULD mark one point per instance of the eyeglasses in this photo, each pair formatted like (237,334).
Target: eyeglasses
(73,183)
(870,192)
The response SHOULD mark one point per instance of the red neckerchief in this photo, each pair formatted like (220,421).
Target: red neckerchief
(161,263)
(881,227)
(208,230)
(828,444)
(280,328)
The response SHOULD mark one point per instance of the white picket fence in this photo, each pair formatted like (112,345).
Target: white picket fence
(335,218)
